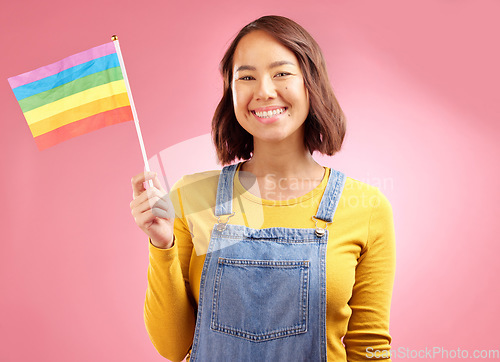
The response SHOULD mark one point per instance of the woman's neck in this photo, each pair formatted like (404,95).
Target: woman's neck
(276,172)
(281,165)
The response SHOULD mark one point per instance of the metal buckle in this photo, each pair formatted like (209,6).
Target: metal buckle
(319,231)
(221,226)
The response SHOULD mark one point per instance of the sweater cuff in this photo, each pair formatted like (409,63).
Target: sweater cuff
(163,254)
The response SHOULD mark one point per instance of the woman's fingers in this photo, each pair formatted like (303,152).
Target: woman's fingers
(152,209)
(156,183)
(153,199)
(164,205)
(145,218)
(145,195)
(158,198)
(138,182)
(160,212)
(143,206)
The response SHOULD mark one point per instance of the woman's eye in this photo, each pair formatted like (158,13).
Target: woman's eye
(282,74)
(247,77)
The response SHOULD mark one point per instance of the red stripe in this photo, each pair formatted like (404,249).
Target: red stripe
(86,125)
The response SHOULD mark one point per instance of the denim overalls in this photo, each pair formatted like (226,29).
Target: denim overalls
(263,291)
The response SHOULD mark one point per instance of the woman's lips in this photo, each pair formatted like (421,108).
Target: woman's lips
(268,114)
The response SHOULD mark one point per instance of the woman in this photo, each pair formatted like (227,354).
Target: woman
(275,258)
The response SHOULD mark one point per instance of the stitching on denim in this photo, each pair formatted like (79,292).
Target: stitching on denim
(301,327)
(264,263)
(322,301)
(256,338)
(329,202)
(200,305)
(224,204)
(277,240)
(274,233)
(296,240)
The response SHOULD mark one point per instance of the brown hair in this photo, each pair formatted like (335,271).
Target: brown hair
(325,124)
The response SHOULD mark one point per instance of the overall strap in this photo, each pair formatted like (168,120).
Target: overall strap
(331,196)
(224,199)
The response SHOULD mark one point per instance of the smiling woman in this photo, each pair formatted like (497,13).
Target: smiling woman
(289,271)
(269,92)
(302,60)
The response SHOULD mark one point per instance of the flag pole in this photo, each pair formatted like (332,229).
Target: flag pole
(114,38)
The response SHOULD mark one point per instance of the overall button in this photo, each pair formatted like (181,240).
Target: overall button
(320,232)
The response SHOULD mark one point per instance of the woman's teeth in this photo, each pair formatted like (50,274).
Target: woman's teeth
(269,114)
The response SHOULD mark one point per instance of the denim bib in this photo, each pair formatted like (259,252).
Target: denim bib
(263,291)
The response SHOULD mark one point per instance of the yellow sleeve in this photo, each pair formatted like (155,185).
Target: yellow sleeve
(368,337)
(169,314)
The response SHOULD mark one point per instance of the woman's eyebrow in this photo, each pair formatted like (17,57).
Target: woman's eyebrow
(272,65)
(245,67)
(280,63)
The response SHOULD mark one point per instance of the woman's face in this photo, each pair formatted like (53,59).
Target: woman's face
(270,99)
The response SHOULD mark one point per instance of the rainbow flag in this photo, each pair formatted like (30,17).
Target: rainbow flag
(74,96)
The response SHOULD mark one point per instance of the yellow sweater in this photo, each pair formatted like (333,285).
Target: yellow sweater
(360,263)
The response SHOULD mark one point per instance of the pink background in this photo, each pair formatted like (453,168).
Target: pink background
(418,81)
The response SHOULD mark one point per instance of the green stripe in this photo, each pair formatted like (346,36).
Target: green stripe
(70,88)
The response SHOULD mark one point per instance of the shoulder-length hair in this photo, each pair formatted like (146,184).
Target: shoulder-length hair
(325,124)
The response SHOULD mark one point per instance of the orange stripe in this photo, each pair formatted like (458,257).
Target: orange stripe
(83,126)
(78,113)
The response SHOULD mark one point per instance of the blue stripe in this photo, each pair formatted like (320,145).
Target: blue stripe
(68,75)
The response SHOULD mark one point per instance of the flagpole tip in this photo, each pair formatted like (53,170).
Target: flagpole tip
(114,37)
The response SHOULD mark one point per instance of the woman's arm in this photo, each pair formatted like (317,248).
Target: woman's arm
(168,309)
(168,313)
(368,335)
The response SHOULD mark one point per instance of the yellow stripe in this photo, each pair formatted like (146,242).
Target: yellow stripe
(75,100)
(78,113)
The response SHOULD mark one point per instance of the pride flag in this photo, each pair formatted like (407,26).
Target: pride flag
(74,96)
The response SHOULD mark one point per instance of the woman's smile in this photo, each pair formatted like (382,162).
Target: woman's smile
(270,99)
(269,114)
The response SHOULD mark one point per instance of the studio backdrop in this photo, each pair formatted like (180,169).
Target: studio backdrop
(417,80)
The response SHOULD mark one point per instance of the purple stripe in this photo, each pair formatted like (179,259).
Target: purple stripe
(54,68)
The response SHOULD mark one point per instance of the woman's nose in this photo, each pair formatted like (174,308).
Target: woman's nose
(265,89)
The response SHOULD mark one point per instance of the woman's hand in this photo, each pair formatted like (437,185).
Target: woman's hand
(153,211)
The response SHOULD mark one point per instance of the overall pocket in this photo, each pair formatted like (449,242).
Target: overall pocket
(260,300)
